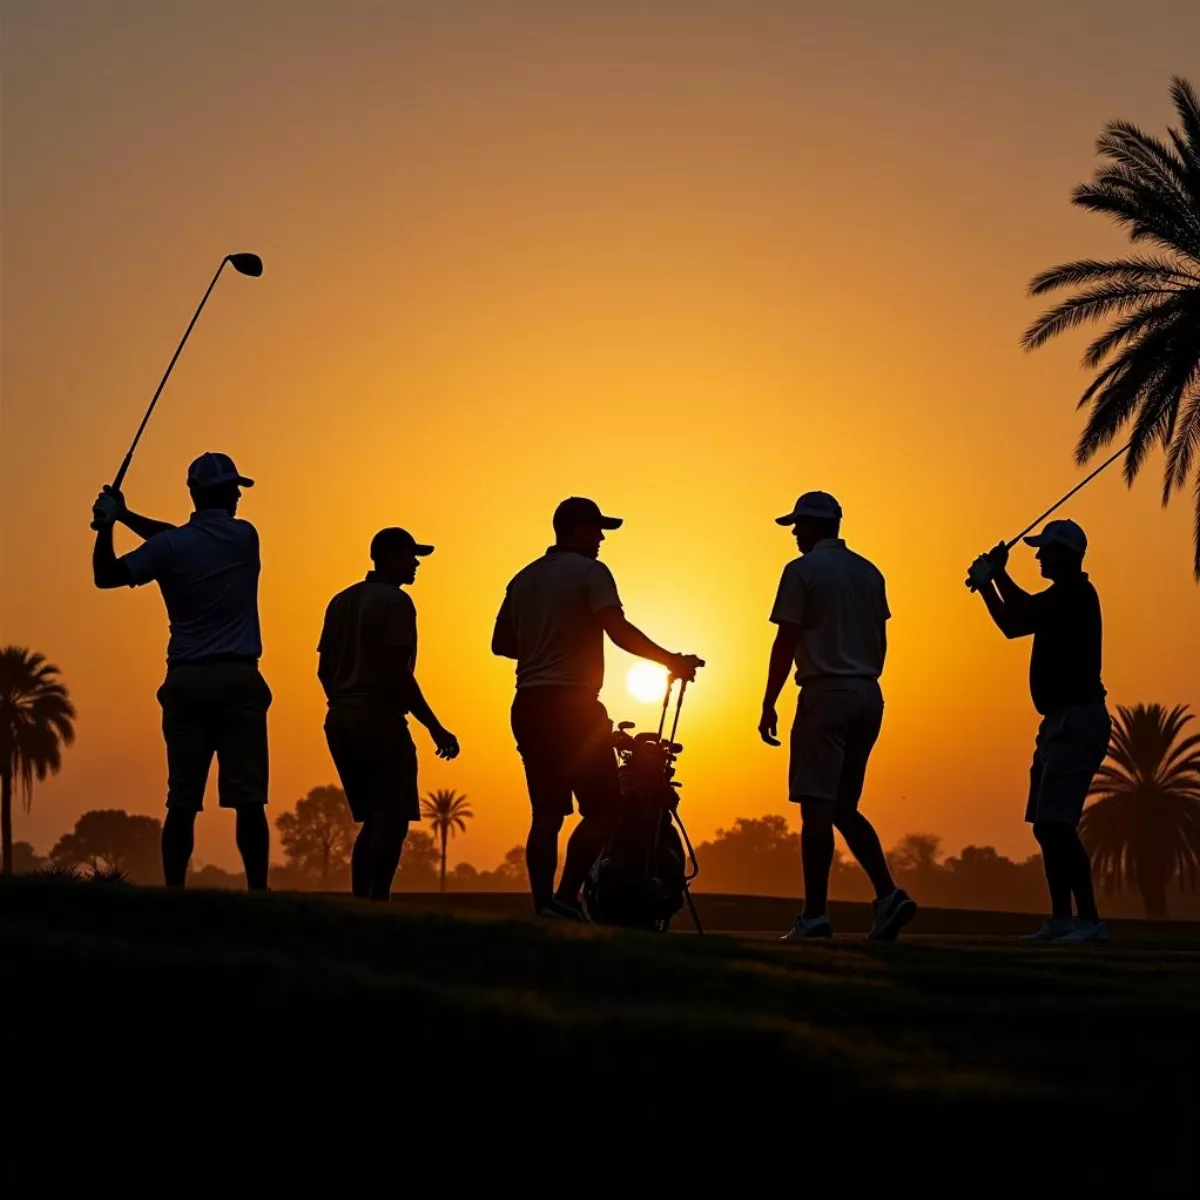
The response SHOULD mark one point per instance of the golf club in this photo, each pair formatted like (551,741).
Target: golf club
(243,264)
(1108,462)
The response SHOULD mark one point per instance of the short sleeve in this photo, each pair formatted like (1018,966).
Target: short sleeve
(789,600)
(887,608)
(505,614)
(400,625)
(601,588)
(150,560)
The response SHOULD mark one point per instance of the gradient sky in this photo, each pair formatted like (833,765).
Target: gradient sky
(689,258)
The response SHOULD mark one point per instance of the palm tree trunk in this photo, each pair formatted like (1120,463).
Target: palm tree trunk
(6,790)
(442,887)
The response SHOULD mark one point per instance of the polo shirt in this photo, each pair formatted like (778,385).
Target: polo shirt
(554,606)
(361,625)
(1064,668)
(838,601)
(207,571)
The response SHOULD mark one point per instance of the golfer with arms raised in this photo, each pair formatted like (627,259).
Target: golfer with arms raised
(831,612)
(1064,677)
(214,701)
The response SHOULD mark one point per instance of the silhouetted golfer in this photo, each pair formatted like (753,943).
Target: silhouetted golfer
(368,652)
(214,701)
(832,615)
(553,621)
(1064,677)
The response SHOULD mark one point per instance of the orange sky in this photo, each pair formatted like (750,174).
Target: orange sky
(688,258)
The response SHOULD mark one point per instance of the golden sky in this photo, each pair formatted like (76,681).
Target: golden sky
(688,258)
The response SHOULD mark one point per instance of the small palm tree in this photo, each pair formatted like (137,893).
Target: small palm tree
(449,813)
(1148,360)
(36,721)
(1144,828)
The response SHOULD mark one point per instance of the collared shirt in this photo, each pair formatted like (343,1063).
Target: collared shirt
(1064,668)
(554,606)
(838,601)
(362,624)
(207,571)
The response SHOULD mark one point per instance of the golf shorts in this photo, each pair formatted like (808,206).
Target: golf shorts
(565,740)
(376,761)
(1071,745)
(836,727)
(216,707)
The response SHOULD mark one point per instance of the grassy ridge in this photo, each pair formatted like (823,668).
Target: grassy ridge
(208,1038)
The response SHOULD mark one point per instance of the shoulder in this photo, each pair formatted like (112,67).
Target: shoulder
(598,571)
(797,570)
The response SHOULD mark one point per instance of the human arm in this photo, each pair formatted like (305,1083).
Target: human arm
(408,690)
(108,571)
(1011,607)
(504,635)
(633,641)
(779,666)
(111,504)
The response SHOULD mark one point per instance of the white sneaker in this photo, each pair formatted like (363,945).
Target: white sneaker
(892,913)
(808,927)
(1052,931)
(1086,931)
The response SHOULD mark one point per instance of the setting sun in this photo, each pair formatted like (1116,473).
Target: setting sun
(647,682)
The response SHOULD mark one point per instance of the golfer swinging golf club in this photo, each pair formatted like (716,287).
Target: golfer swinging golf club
(368,652)
(831,611)
(1064,677)
(214,701)
(552,621)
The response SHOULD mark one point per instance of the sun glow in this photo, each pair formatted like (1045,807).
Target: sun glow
(647,682)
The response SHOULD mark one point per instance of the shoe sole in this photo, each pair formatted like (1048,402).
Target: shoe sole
(904,913)
(823,935)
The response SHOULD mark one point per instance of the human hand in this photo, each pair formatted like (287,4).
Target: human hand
(109,507)
(685,666)
(446,743)
(998,557)
(979,573)
(768,725)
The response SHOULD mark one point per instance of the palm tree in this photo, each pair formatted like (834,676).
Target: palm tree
(36,721)
(1148,360)
(449,813)
(1144,829)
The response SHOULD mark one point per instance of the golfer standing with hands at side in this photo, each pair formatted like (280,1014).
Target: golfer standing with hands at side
(831,611)
(214,701)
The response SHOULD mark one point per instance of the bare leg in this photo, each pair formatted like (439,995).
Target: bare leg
(541,856)
(1058,865)
(816,853)
(360,861)
(254,844)
(864,844)
(178,840)
(386,847)
(583,848)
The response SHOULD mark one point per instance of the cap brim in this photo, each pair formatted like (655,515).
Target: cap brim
(790,519)
(611,522)
(244,481)
(422,551)
(1037,540)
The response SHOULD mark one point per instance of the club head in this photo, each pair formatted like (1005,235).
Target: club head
(246,264)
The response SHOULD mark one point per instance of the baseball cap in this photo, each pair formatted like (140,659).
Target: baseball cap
(212,469)
(397,541)
(1061,533)
(575,510)
(813,504)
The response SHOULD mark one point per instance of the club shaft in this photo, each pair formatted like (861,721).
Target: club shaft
(137,437)
(1108,462)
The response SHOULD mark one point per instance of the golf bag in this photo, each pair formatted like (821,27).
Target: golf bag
(641,878)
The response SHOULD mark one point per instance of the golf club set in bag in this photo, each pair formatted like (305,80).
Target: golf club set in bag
(641,879)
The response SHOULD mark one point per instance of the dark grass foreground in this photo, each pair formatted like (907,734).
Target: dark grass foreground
(213,1043)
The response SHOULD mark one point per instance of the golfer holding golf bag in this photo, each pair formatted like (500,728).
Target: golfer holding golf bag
(832,615)
(214,701)
(1064,677)
(552,621)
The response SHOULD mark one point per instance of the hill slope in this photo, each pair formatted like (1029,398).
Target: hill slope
(191,1042)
